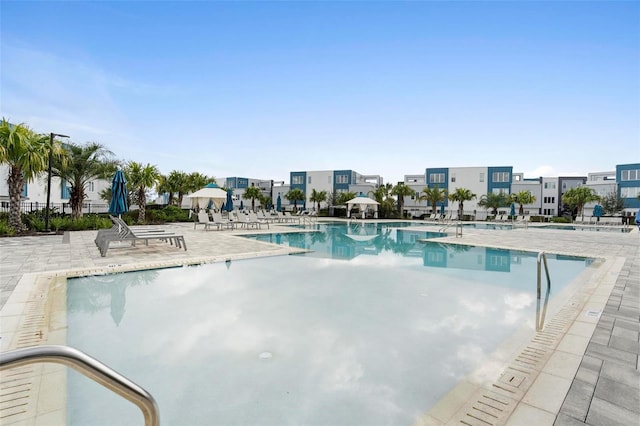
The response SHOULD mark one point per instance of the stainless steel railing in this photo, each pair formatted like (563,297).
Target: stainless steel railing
(542,258)
(91,368)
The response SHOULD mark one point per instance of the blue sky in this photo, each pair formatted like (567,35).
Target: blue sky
(259,89)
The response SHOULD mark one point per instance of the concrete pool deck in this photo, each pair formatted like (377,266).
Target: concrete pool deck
(589,376)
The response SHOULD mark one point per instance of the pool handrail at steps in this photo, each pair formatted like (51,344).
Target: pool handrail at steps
(542,257)
(90,367)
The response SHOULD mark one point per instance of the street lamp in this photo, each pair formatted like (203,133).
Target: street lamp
(46,217)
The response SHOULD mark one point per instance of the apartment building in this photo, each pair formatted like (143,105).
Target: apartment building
(628,179)
(333,182)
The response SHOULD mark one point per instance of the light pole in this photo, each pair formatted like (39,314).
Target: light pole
(46,216)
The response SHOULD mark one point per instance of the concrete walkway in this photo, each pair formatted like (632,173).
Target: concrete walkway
(605,389)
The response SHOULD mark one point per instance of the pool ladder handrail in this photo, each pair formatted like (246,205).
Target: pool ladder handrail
(459,228)
(542,258)
(91,368)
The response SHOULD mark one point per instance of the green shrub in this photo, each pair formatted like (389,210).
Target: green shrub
(58,223)
(175,214)
(560,220)
(5,229)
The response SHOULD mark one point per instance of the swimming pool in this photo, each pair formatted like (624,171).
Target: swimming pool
(375,338)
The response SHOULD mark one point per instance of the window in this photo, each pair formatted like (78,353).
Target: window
(309,179)
(329,179)
(500,177)
(630,175)
(549,185)
(297,180)
(630,192)
(502,191)
(453,179)
(481,177)
(90,187)
(342,179)
(436,178)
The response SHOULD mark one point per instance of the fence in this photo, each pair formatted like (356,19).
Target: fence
(59,208)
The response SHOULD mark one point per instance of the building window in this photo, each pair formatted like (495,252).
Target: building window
(549,185)
(297,180)
(309,180)
(481,177)
(500,177)
(90,187)
(342,179)
(629,192)
(502,191)
(436,178)
(329,179)
(453,179)
(630,175)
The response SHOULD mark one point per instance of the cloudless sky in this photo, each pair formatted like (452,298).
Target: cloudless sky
(259,89)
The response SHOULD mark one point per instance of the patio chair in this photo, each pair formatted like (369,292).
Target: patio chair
(203,219)
(121,232)
(245,222)
(228,224)
(254,217)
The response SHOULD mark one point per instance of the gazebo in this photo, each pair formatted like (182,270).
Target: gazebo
(363,202)
(211,193)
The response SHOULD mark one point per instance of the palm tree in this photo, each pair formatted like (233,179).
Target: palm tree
(522,198)
(140,178)
(252,193)
(174,183)
(433,196)
(402,190)
(578,197)
(85,163)
(345,196)
(295,195)
(27,155)
(318,197)
(494,201)
(382,194)
(193,182)
(461,195)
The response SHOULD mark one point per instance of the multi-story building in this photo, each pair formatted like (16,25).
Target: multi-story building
(240,184)
(479,180)
(628,178)
(566,183)
(534,186)
(333,182)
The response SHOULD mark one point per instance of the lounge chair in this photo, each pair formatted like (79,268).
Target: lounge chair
(203,219)
(254,217)
(122,232)
(218,219)
(291,218)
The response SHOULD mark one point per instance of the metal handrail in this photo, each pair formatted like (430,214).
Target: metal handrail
(542,257)
(91,368)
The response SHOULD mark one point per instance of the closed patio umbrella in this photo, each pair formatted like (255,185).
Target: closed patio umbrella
(118,204)
(229,204)
(597,211)
(241,205)
(279,203)
(512,213)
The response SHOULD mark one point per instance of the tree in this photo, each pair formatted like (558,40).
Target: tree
(402,190)
(344,196)
(27,155)
(578,197)
(295,195)
(494,201)
(612,204)
(140,178)
(174,183)
(382,194)
(461,195)
(252,193)
(193,182)
(433,196)
(522,198)
(318,197)
(82,164)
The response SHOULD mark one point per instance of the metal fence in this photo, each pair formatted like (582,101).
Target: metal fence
(56,208)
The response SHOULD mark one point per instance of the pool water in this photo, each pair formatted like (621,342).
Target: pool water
(374,335)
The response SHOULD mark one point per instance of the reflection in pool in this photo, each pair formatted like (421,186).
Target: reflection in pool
(375,335)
